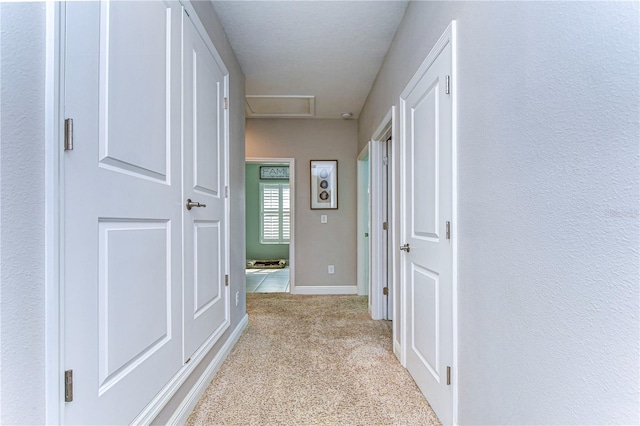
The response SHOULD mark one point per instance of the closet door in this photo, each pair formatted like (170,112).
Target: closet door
(122,207)
(206,298)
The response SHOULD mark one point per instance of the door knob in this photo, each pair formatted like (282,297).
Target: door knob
(405,248)
(191,204)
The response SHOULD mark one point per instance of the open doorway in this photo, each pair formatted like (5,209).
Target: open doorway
(270,225)
(375,200)
(364,209)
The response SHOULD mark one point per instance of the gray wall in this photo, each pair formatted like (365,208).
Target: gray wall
(548,198)
(255,249)
(316,245)
(22,213)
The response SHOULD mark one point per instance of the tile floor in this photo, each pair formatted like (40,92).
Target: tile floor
(268,280)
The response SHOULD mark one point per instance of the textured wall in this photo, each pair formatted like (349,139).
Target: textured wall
(548,167)
(317,245)
(22,194)
(255,249)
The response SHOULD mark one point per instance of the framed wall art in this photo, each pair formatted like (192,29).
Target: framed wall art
(324,184)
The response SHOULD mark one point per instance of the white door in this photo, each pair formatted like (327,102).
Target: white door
(426,113)
(122,210)
(206,299)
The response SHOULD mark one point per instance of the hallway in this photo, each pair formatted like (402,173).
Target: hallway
(312,360)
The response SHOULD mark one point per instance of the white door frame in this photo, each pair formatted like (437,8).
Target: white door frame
(54,178)
(448,36)
(292,193)
(364,203)
(379,246)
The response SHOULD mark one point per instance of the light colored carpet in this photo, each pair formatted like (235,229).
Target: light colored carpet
(312,360)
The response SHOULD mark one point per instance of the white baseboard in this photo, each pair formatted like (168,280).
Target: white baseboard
(185,408)
(328,289)
(397,351)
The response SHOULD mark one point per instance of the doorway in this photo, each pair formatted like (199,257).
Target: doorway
(364,210)
(270,225)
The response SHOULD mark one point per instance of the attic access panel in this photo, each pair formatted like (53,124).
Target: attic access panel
(272,106)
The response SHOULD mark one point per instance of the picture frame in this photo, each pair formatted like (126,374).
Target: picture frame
(324,184)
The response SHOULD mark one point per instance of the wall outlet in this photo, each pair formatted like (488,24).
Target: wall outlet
(323,218)
(237,297)
(331,269)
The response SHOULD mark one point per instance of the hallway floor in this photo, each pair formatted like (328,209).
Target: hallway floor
(312,360)
(268,280)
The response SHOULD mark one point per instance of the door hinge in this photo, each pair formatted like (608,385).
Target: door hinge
(68,134)
(68,386)
(385,291)
(447,85)
(448,230)
(226,192)
(385,161)
(385,226)
(226,280)
(226,103)
(448,375)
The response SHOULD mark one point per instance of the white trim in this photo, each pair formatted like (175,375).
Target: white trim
(327,289)
(454,212)
(378,253)
(187,405)
(53,225)
(156,405)
(251,114)
(292,200)
(364,281)
(448,37)
(394,222)
(397,350)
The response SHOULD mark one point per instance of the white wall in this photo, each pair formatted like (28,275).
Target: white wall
(548,166)
(22,208)
(22,213)
(317,245)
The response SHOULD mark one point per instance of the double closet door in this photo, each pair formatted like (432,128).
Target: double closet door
(143,276)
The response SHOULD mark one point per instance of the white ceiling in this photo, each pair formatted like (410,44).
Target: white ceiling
(328,49)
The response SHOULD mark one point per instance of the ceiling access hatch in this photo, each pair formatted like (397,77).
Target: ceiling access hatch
(283,106)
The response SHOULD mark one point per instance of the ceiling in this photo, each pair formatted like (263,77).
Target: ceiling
(330,51)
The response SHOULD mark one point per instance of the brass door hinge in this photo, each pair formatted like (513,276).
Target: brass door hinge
(385,291)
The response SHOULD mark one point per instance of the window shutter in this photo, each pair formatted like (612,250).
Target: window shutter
(275,213)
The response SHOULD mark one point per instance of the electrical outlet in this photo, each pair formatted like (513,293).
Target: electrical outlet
(323,218)
(331,269)
(237,297)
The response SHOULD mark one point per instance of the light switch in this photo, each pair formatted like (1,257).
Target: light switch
(323,218)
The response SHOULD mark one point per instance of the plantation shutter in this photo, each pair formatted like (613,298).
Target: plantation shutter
(275,214)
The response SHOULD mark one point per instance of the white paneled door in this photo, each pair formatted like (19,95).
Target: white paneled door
(124,213)
(206,298)
(427,260)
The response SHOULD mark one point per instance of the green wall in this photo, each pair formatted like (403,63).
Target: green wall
(256,250)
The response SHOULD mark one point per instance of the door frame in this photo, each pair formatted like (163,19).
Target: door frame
(448,36)
(379,208)
(364,206)
(54,211)
(292,227)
